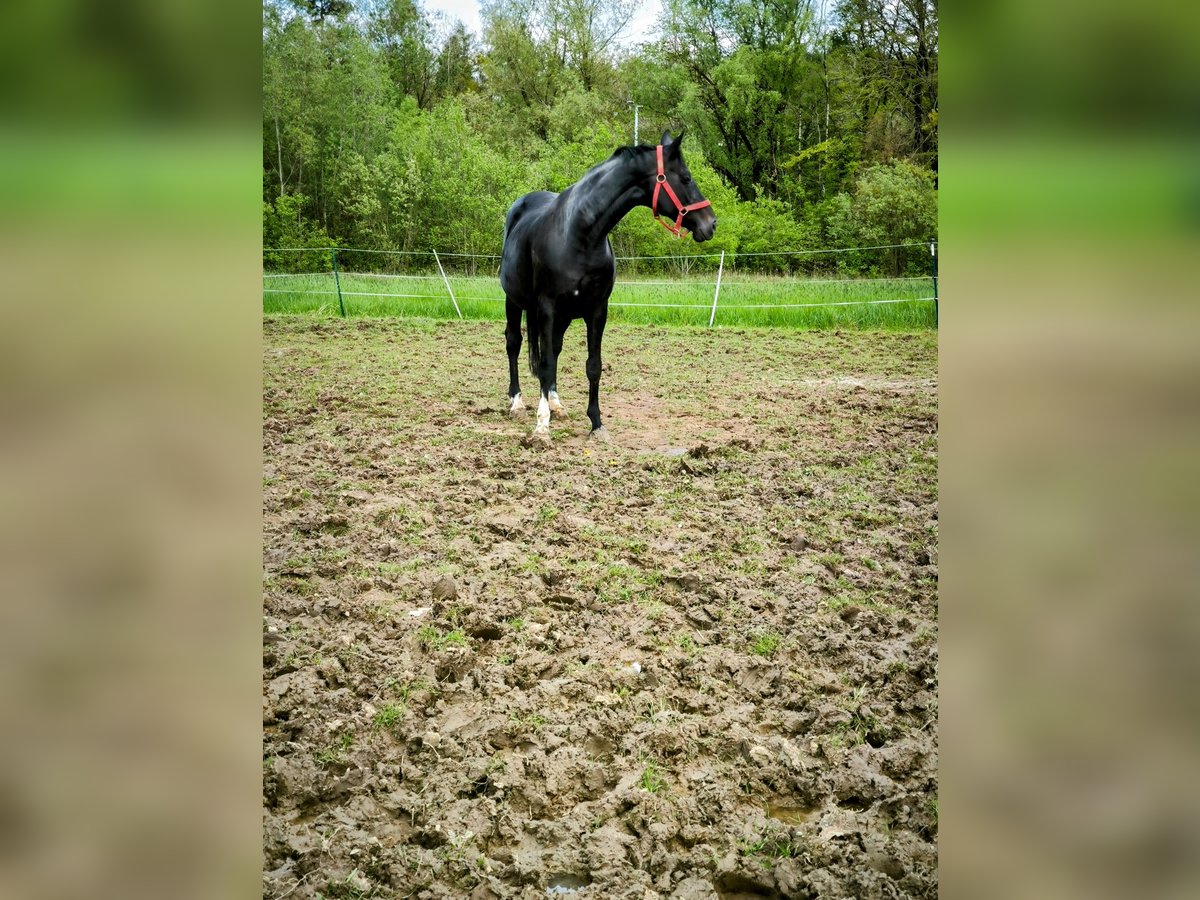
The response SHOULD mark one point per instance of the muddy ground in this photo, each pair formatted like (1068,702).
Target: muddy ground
(698,662)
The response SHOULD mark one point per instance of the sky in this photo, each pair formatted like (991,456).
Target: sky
(467,11)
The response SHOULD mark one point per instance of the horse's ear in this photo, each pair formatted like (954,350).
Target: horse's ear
(679,137)
(672,145)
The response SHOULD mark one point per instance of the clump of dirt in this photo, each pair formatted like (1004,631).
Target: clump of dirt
(697,662)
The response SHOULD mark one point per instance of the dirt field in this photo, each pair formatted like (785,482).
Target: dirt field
(698,662)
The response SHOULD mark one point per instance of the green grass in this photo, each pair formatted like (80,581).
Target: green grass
(652,779)
(680,301)
(765,644)
(390,715)
(431,638)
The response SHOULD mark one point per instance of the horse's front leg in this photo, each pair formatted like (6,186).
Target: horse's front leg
(595,336)
(557,410)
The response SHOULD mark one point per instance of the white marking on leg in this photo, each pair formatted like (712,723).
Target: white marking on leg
(555,403)
(543,416)
(517,403)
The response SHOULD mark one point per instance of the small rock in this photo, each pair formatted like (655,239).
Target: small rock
(445,589)
(694,888)
(431,739)
(799,543)
(358,882)
(791,755)
(689,581)
(760,754)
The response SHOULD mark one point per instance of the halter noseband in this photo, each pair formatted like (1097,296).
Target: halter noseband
(661,182)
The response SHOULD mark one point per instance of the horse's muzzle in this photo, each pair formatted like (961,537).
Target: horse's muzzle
(704,229)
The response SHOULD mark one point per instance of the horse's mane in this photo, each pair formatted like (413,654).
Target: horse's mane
(629,151)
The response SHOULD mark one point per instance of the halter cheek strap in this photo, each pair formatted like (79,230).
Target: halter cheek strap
(661,183)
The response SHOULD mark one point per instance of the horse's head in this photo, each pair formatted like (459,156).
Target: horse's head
(674,182)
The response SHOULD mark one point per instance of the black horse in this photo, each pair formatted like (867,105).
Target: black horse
(558,266)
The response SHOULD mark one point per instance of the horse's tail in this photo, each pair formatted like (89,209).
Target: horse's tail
(533,327)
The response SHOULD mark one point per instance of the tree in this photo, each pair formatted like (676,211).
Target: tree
(895,64)
(892,204)
(320,10)
(751,85)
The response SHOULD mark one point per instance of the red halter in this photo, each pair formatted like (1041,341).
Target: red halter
(661,182)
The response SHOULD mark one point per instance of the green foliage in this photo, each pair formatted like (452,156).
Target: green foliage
(284,225)
(392,129)
(891,204)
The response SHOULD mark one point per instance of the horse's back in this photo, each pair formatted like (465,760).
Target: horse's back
(530,203)
(514,260)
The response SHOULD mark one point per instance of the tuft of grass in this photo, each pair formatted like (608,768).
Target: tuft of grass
(765,644)
(770,847)
(335,753)
(652,779)
(530,722)
(431,638)
(390,715)
(686,643)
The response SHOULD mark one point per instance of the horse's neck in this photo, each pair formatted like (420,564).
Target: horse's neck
(604,196)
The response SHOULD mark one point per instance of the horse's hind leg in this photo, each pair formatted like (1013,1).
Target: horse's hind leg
(542,322)
(512,340)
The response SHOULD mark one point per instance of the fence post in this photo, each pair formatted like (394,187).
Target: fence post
(933,263)
(337,280)
(447,280)
(717,293)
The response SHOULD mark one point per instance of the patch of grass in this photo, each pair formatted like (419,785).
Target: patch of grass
(686,643)
(654,609)
(530,722)
(547,513)
(335,753)
(390,715)
(770,848)
(347,889)
(316,294)
(431,638)
(765,644)
(652,779)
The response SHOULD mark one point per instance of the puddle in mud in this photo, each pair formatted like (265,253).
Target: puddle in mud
(793,815)
(565,884)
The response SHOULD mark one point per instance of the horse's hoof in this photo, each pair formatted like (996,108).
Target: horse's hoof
(539,439)
(559,413)
(600,435)
(517,410)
